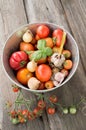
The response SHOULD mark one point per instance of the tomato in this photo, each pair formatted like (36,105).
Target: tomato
(23,75)
(49,84)
(43,72)
(33,41)
(18,60)
(26,46)
(66,53)
(15,121)
(25,112)
(42,86)
(57,36)
(37,111)
(43,31)
(49,42)
(37,37)
(53,98)
(21,119)
(15,89)
(13,113)
(51,110)
(41,104)
(68,64)
(31,116)
(42,60)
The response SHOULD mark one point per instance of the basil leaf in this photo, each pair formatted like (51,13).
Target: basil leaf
(48,51)
(41,44)
(36,55)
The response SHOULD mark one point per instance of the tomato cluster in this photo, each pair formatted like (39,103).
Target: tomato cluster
(33,64)
(23,115)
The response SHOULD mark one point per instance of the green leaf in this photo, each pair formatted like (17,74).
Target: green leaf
(41,44)
(36,55)
(48,51)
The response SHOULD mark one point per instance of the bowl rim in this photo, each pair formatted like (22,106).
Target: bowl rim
(47,90)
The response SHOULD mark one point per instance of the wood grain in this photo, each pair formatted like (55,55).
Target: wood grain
(71,15)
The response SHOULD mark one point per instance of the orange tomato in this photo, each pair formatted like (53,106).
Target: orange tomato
(23,75)
(49,42)
(26,46)
(66,53)
(43,72)
(37,37)
(68,64)
(49,84)
(42,60)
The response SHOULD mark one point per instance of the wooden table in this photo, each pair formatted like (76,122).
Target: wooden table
(68,13)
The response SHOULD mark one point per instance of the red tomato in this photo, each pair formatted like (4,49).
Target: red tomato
(15,89)
(31,116)
(43,72)
(53,98)
(41,104)
(37,112)
(57,35)
(25,112)
(51,110)
(13,113)
(43,31)
(18,60)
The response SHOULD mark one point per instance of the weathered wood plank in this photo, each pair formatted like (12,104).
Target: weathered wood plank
(53,11)
(12,15)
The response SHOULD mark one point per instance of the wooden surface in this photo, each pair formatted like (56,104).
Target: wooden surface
(68,13)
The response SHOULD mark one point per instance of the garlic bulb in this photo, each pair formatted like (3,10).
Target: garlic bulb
(59,77)
(57,59)
(33,83)
(31,66)
(27,36)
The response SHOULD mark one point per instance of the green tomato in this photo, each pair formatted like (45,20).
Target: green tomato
(72,110)
(65,110)
(15,121)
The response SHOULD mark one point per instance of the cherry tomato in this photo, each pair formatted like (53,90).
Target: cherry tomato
(23,75)
(31,116)
(53,98)
(68,64)
(37,112)
(25,112)
(18,60)
(26,46)
(15,121)
(15,89)
(43,31)
(37,37)
(49,42)
(42,86)
(49,84)
(13,113)
(66,53)
(51,110)
(41,104)
(21,119)
(57,36)
(43,72)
